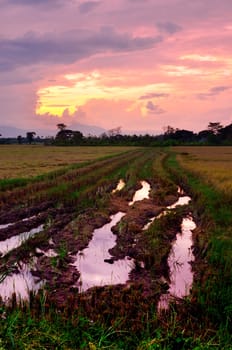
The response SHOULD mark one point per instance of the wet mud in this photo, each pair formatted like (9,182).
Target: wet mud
(129,243)
(68,234)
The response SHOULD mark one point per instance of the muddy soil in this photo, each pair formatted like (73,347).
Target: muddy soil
(69,234)
(61,275)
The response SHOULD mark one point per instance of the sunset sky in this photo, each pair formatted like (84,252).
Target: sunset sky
(137,64)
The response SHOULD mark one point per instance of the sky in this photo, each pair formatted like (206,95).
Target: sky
(136,64)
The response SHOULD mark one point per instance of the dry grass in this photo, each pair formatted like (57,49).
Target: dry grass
(20,161)
(213,164)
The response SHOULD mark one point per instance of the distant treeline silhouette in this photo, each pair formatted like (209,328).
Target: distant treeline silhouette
(215,134)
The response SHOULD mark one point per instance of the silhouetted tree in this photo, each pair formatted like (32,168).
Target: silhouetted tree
(68,137)
(61,126)
(30,136)
(204,135)
(215,127)
(168,130)
(225,134)
(19,139)
(115,131)
(77,137)
(183,135)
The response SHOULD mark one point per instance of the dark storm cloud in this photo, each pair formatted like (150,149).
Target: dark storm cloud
(88,6)
(213,92)
(151,108)
(150,95)
(168,27)
(68,47)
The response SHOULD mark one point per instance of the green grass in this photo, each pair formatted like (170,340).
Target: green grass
(214,289)
(202,321)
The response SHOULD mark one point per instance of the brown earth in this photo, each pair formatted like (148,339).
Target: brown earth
(70,235)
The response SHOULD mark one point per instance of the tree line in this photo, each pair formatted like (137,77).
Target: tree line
(214,134)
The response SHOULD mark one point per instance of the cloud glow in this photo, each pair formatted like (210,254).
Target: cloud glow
(94,86)
(90,62)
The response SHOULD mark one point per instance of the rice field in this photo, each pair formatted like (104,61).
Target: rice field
(213,164)
(23,161)
(76,193)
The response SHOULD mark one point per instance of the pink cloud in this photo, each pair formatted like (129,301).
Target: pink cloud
(183,48)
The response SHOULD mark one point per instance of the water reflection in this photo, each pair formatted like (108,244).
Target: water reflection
(142,193)
(50,253)
(13,223)
(180,256)
(121,184)
(179,262)
(90,262)
(16,241)
(20,283)
(181,201)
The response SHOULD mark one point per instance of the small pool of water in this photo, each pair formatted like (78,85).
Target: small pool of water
(121,184)
(13,223)
(179,262)
(142,193)
(5,226)
(16,241)
(181,201)
(180,258)
(50,253)
(91,264)
(19,283)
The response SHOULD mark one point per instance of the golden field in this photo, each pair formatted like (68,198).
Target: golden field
(21,161)
(212,164)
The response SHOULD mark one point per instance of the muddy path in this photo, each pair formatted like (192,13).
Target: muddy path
(132,300)
(68,228)
(131,241)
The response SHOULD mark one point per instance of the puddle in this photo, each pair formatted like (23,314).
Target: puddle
(142,193)
(121,184)
(21,284)
(179,262)
(5,225)
(90,262)
(180,191)
(13,223)
(146,227)
(180,258)
(50,253)
(181,201)
(16,241)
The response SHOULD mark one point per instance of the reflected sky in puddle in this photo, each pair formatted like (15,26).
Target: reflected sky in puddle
(179,262)
(20,283)
(5,226)
(90,262)
(181,201)
(180,258)
(142,193)
(180,269)
(50,253)
(13,223)
(121,184)
(16,241)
